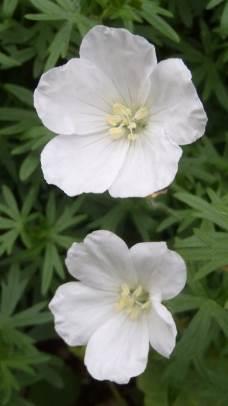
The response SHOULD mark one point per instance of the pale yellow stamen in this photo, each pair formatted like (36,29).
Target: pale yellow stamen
(113,119)
(125,290)
(117,132)
(138,291)
(125,122)
(141,114)
(119,108)
(133,301)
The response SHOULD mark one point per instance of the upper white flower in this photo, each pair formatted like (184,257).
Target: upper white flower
(116,308)
(121,117)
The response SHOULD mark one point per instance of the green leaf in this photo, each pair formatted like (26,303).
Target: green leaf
(196,337)
(66,4)
(221,316)
(51,263)
(45,17)
(29,201)
(7,61)
(217,215)
(152,384)
(21,93)
(48,7)
(28,166)
(185,302)
(51,209)
(16,114)
(12,291)
(150,13)
(224,19)
(11,201)
(32,316)
(59,45)
(213,3)
(9,7)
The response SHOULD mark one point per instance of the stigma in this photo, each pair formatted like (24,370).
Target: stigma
(126,122)
(133,301)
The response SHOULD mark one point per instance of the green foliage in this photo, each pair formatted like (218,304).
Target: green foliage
(18,353)
(38,222)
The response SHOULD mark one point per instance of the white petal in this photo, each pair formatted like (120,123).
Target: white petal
(79,311)
(118,350)
(150,165)
(74,98)
(80,163)
(162,329)
(125,58)
(102,261)
(159,269)
(174,102)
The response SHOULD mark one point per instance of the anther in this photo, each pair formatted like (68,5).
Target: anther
(117,132)
(141,114)
(113,119)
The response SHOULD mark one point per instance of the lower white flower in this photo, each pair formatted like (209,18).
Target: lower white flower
(120,116)
(116,307)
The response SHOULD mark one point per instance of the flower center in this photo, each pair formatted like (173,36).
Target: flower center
(133,301)
(125,122)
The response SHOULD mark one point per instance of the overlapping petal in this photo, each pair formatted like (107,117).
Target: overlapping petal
(118,350)
(174,102)
(125,58)
(150,165)
(102,261)
(79,311)
(161,270)
(78,164)
(75,98)
(162,329)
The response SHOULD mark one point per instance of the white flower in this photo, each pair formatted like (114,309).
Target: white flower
(120,116)
(115,308)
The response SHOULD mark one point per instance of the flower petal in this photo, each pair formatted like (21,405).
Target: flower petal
(159,269)
(174,102)
(118,350)
(74,98)
(150,165)
(125,58)
(162,329)
(79,311)
(102,261)
(78,164)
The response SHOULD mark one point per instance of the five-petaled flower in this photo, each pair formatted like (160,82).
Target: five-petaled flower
(116,306)
(120,117)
